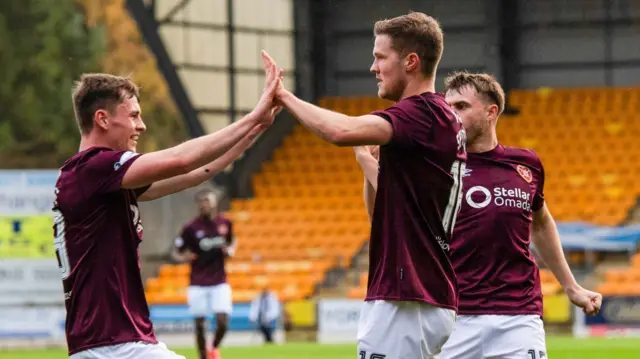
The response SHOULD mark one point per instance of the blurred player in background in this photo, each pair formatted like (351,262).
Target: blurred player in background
(503,209)
(409,310)
(206,242)
(97,224)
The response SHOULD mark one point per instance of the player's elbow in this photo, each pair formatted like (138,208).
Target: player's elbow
(343,137)
(182,165)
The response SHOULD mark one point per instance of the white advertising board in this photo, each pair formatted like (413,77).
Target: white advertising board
(26,193)
(338,320)
(30,281)
(32,323)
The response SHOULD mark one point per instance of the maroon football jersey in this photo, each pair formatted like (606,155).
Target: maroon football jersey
(97,231)
(205,238)
(496,271)
(418,197)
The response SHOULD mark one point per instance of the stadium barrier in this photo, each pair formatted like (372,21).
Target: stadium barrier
(29,323)
(177,319)
(25,282)
(618,317)
(338,320)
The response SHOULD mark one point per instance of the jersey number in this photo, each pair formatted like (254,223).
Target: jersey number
(455,197)
(363,355)
(60,245)
(541,354)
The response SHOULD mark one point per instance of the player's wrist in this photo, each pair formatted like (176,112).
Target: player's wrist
(284,97)
(571,289)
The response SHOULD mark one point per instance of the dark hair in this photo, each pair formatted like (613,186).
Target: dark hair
(415,32)
(95,92)
(484,84)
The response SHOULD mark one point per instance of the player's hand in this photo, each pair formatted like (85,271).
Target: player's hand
(269,66)
(375,151)
(589,301)
(371,150)
(266,109)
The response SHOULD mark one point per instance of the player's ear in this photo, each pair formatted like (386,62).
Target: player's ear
(492,112)
(412,62)
(100,119)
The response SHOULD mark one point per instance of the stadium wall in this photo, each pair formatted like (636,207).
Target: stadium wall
(552,43)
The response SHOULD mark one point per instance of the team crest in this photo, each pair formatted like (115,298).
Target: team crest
(223,229)
(525,173)
(200,234)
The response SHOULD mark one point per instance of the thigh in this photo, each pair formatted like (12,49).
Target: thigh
(515,337)
(133,350)
(395,330)
(374,334)
(465,340)
(437,324)
(199,299)
(221,301)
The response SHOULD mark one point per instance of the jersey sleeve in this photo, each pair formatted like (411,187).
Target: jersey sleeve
(538,198)
(105,171)
(411,124)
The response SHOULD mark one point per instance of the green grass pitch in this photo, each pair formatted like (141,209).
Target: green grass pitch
(558,347)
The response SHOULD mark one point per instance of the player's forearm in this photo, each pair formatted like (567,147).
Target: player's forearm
(200,151)
(230,250)
(179,257)
(369,198)
(546,240)
(329,125)
(196,177)
(369,167)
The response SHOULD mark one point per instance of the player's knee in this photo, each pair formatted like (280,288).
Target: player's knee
(223,326)
(199,324)
(222,322)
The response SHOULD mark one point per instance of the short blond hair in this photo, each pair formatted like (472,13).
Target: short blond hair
(97,91)
(485,85)
(415,32)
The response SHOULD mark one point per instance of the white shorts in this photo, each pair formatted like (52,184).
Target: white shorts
(206,300)
(403,330)
(496,336)
(133,350)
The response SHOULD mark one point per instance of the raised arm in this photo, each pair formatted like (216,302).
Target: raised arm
(546,240)
(196,177)
(334,127)
(337,128)
(193,154)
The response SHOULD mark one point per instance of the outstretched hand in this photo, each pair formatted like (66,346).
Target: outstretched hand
(270,67)
(266,109)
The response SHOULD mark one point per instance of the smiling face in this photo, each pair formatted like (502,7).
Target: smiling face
(123,125)
(389,69)
(107,111)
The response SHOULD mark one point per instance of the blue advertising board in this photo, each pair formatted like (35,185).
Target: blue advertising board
(177,319)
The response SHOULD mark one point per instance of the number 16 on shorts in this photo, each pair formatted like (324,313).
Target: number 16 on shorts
(532,354)
(363,355)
